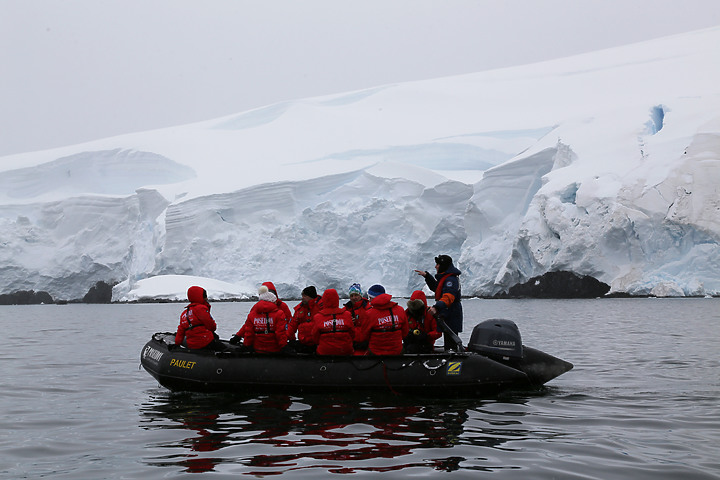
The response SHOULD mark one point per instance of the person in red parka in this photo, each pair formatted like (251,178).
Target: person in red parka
(333,330)
(301,322)
(421,324)
(197,327)
(386,325)
(281,305)
(357,306)
(265,327)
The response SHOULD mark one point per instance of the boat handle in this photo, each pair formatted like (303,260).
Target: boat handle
(429,367)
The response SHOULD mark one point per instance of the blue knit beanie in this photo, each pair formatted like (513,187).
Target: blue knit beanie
(375,290)
(355,288)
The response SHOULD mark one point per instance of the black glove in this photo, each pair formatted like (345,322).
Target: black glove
(416,338)
(235,340)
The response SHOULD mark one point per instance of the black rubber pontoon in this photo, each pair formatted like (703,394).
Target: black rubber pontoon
(467,372)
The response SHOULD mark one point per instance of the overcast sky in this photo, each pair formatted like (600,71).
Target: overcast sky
(78,70)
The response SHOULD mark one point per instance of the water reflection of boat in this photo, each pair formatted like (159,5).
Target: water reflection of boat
(342,433)
(495,359)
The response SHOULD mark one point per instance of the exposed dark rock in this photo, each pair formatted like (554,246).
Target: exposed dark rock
(559,285)
(100,293)
(25,297)
(153,300)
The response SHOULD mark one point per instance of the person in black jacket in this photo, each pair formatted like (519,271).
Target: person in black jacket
(446,286)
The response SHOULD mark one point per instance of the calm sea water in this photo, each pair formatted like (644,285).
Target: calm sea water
(641,403)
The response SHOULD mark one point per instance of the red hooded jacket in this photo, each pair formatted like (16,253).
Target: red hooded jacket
(385,327)
(264,329)
(196,324)
(302,322)
(426,323)
(333,328)
(358,311)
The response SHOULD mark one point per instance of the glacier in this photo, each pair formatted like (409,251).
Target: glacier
(604,164)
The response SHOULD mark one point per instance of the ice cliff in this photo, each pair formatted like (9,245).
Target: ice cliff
(605,164)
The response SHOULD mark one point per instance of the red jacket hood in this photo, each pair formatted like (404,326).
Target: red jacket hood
(383,301)
(263,306)
(330,299)
(419,295)
(196,294)
(271,287)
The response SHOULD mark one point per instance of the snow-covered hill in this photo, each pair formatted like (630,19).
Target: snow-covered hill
(605,164)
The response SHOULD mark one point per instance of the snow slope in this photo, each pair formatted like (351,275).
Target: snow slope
(605,164)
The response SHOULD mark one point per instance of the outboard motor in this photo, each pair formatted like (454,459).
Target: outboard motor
(497,338)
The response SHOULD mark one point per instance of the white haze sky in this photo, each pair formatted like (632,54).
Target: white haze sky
(78,70)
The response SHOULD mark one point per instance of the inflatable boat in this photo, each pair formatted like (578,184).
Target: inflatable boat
(493,360)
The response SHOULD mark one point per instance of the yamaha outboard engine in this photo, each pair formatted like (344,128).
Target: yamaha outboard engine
(497,338)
